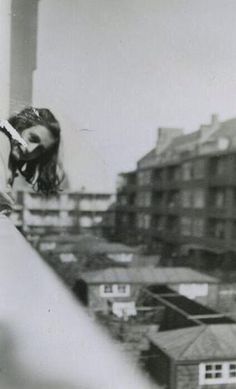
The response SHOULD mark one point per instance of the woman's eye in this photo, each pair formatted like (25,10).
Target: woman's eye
(34,139)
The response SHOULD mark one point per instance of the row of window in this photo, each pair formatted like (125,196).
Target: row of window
(186,198)
(115,290)
(217,373)
(194,227)
(197,169)
(187,226)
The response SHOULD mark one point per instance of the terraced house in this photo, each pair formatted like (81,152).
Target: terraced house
(181,199)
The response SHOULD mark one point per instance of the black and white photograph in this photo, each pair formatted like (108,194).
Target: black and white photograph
(118,194)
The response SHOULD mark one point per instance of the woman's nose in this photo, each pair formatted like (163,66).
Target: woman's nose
(31,147)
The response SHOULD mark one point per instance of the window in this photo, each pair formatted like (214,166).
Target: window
(144,199)
(219,166)
(139,199)
(122,288)
(172,200)
(186,198)
(173,173)
(122,199)
(199,169)
(232,370)
(115,290)
(217,373)
(147,199)
(186,223)
(187,171)
(139,220)
(219,198)
(144,177)
(158,175)
(193,290)
(217,228)
(144,221)
(159,223)
(198,227)
(198,198)
(172,224)
(158,199)
(108,288)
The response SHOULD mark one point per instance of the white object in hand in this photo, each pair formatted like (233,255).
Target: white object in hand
(12,131)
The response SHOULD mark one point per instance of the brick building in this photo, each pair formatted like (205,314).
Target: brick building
(181,199)
(197,357)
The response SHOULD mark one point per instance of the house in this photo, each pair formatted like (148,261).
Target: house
(99,289)
(194,358)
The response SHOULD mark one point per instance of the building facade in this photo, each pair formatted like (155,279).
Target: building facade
(182,196)
(67,211)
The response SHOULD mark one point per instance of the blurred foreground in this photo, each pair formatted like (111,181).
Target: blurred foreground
(46,338)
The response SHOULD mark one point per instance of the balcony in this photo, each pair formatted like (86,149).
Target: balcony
(47,339)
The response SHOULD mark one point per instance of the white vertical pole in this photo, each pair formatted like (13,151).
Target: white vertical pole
(5,31)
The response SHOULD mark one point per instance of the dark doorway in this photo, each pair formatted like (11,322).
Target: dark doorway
(80,289)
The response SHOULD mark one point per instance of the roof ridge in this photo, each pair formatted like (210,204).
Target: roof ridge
(204,328)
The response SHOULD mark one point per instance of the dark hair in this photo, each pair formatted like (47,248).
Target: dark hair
(41,172)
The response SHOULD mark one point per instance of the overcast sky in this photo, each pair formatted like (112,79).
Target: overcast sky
(121,69)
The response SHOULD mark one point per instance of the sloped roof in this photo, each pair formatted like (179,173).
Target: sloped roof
(90,243)
(185,139)
(227,128)
(198,343)
(147,275)
(149,155)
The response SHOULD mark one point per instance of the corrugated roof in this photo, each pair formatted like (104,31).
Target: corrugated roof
(198,343)
(147,275)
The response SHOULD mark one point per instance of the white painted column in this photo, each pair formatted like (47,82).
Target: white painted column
(5,31)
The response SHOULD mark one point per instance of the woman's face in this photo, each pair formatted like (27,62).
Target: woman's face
(38,138)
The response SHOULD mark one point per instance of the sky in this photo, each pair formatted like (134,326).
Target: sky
(114,71)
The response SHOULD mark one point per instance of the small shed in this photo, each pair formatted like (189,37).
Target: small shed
(124,284)
(195,357)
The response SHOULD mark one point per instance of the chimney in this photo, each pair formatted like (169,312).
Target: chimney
(214,119)
(208,130)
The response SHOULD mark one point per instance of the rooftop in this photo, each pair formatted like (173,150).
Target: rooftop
(147,275)
(90,244)
(181,143)
(216,341)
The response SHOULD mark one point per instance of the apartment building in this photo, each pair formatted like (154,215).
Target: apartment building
(181,199)
(66,211)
